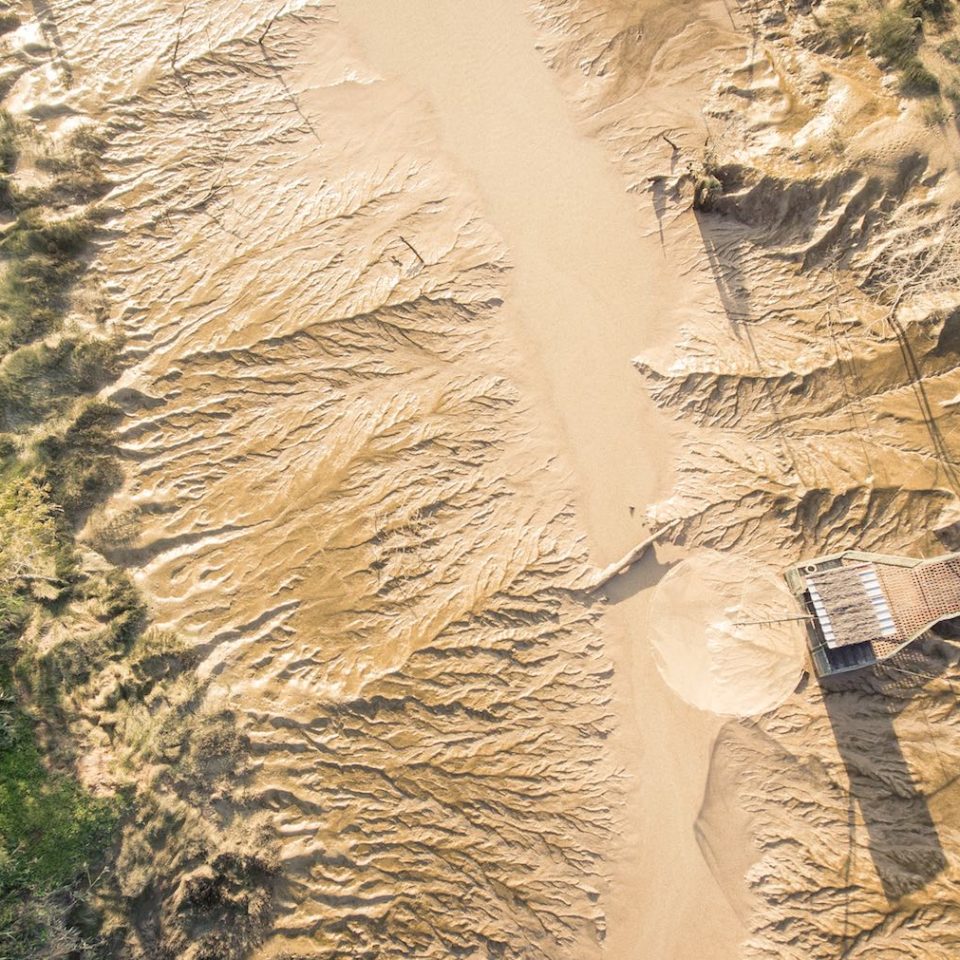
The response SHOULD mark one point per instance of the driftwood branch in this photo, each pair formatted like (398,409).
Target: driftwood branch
(413,250)
(604,576)
(270,23)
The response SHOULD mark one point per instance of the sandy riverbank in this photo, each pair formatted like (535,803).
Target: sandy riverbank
(419,327)
(590,287)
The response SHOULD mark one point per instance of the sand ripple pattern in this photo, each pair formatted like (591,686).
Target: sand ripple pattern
(336,493)
(816,370)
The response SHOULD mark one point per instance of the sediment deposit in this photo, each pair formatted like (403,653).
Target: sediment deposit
(337,499)
(816,379)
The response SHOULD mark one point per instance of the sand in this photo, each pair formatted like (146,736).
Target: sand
(589,289)
(815,418)
(587,284)
(421,330)
(724,639)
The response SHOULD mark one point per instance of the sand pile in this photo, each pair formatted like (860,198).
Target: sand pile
(723,638)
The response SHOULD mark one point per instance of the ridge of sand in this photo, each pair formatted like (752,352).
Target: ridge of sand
(590,288)
(817,411)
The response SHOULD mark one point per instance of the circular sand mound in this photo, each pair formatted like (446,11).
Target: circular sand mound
(710,649)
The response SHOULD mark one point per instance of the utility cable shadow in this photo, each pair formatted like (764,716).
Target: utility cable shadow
(721,245)
(290,95)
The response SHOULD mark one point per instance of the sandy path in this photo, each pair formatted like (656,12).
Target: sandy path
(583,277)
(590,290)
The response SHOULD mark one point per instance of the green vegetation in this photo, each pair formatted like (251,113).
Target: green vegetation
(935,114)
(59,623)
(79,461)
(51,828)
(928,10)
(952,93)
(43,259)
(105,636)
(950,50)
(77,663)
(893,36)
(896,34)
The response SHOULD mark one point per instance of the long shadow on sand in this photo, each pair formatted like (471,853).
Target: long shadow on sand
(902,838)
(644,574)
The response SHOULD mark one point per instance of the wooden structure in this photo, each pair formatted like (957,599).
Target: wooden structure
(862,608)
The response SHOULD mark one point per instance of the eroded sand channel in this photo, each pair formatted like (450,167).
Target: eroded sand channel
(590,288)
(582,285)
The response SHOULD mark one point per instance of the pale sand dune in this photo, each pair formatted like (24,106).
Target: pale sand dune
(722,636)
(818,412)
(589,289)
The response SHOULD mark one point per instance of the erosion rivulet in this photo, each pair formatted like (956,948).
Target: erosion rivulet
(324,677)
(368,715)
(816,377)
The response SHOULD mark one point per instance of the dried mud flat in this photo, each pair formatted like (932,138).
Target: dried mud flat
(343,500)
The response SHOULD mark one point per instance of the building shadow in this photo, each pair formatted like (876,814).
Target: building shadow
(721,244)
(644,574)
(901,836)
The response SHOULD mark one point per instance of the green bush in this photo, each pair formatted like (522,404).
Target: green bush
(58,444)
(43,259)
(894,37)
(915,78)
(844,25)
(76,167)
(76,656)
(8,143)
(935,114)
(936,10)
(42,380)
(80,464)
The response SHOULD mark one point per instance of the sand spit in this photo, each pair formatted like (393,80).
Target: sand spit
(337,498)
(815,382)
(720,643)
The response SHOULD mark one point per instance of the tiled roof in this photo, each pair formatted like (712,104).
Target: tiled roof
(886,603)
